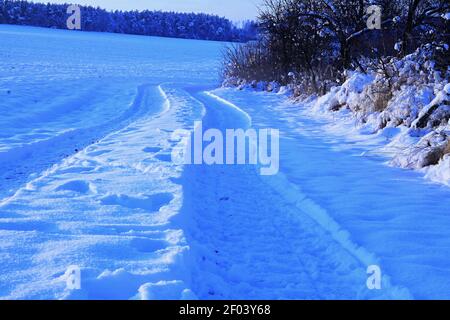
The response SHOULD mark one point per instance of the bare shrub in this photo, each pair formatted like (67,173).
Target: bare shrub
(249,62)
(317,40)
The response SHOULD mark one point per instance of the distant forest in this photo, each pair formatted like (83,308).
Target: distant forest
(150,23)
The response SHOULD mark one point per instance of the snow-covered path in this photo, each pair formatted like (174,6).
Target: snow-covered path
(140,226)
(249,241)
(133,220)
(398,220)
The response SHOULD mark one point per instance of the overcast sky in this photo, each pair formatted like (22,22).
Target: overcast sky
(233,9)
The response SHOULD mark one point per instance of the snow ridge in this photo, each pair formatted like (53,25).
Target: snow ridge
(77,213)
(243,217)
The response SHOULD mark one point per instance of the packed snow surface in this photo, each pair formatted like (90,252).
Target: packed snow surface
(87,123)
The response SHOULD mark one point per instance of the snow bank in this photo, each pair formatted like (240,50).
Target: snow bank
(410,110)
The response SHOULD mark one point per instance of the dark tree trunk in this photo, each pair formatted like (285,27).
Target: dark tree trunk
(409,25)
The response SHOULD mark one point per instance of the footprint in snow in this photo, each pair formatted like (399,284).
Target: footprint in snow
(164,157)
(152,149)
(150,203)
(78,186)
(76,170)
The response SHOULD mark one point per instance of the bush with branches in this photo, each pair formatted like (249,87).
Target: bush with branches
(310,43)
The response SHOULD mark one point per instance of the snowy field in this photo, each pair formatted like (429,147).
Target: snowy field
(86,179)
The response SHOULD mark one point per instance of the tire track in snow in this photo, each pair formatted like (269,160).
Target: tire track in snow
(292,248)
(107,209)
(36,157)
(94,209)
(387,211)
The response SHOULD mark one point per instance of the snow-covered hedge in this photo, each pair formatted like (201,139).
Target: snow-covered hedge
(415,98)
(411,94)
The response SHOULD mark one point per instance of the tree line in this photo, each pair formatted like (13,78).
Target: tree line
(150,23)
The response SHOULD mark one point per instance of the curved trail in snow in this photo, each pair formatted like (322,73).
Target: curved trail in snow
(106,209)
(380,215)
(260,237)
(140,226)
(21,161)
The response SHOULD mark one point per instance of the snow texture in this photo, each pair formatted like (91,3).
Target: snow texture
(87,180)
